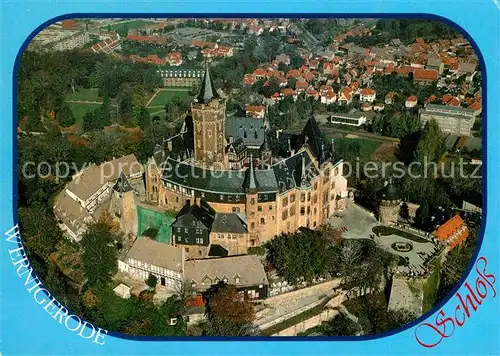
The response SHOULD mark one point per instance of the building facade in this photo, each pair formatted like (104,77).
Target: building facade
(451,120)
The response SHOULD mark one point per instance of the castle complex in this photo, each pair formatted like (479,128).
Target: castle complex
(237,183)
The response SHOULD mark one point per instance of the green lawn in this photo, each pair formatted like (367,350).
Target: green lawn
(84,95)
(79,109)
(120,27)
(366,146)
(165,95)
(387,230)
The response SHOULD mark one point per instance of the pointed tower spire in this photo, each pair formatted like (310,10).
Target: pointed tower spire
(251,184)
(207,90)
(303,178)
(122,185)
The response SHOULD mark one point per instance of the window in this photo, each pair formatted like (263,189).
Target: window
(252,214)
(270,207)
(202,194)
(302,210)
(292,210)
(292,198)
(259,208)
(229,198)
(252,201)
(284,215)
(236,210)
(315,185)
(186,230)
(285,202)
(303,197)
(199,240)
(308,196)
(314,223)
(222,197)
(262,221)
(237,279)
(252,226)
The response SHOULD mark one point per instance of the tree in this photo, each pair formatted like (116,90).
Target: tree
(151,281)
(226,312)
(65,116)
(99,254)
(143,118)
(304,255)
(340,325)
(430,147)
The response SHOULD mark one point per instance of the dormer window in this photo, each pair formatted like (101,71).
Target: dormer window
(206,281)
(216,280)
(225,279)
(237,279)
(193,284)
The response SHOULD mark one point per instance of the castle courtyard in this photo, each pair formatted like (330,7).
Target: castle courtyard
(358,223)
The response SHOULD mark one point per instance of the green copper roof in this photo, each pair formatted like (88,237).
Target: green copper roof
(390,192)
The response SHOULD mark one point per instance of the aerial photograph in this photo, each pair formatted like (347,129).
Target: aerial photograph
(249,176)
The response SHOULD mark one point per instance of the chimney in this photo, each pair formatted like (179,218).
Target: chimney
(169,145)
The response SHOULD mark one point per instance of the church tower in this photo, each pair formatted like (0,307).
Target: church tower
(209,113)
(122,205)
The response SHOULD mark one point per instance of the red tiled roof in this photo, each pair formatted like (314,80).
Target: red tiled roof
(425,74)
(390,95)
(453,232)
(475,105)
(430,99)
(412,99)
(368,91)
(301,85)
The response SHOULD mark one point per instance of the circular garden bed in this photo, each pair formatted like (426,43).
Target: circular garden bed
(402,246)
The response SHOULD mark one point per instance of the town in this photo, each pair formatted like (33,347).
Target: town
(210,187)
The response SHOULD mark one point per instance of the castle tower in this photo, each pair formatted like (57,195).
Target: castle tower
(390,204)
(265,151)
(209,112)
(251,205)
(122,205)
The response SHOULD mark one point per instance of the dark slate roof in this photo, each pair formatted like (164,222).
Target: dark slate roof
(230,222)
(207,90)
(122,185)
(229,182)
(217,251)
(183,143)
(266,146)
(197,216)
(295,171)
(312,136)
(249,129)
(238,145)
(390,192)
(285,143)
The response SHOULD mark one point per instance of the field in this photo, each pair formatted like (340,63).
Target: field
(366,146)
(79,109)
(163,96)
(84,95)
